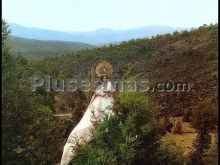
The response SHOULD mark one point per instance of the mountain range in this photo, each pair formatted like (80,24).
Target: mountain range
(97,37)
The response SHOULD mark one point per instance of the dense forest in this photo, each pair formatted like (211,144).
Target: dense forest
(139,132)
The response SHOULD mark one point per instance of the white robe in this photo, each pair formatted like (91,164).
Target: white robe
(100,106)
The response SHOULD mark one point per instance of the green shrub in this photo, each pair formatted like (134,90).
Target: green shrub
(210,156)
(204,121)
(169,153)
(132,134)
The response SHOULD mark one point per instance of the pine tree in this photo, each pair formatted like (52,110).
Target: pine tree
(204,120)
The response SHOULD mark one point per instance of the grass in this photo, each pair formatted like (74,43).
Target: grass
(187,128)
(185,140)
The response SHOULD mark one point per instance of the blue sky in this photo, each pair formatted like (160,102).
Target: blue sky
(88,15)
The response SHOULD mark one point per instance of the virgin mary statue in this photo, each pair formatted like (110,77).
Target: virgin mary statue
(99,107)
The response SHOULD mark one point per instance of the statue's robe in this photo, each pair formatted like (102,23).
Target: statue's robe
(100,106)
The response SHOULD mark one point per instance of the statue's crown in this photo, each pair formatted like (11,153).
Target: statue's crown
(104,68)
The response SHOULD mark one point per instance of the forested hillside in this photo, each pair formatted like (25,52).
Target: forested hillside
(40,49)
(139,133)
(181,57)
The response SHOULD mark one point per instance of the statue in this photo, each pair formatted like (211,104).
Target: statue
(100,106)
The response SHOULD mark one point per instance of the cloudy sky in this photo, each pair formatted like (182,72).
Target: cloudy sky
(87,15)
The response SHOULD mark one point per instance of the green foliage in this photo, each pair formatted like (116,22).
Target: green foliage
(132,136)
(30,132)
(213,56)
(79,106)
(210,156)
(204,120)
(40,49)
(169,153)
(5,32)
(32,135)
(183,57)
(205,116)
(106,147)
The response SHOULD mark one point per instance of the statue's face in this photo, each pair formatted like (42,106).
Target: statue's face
(104,79)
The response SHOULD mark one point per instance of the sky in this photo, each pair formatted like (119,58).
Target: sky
(89,15)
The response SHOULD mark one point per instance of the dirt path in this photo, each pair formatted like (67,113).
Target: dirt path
(63,115)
